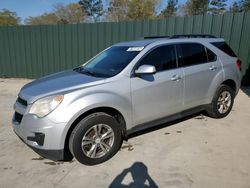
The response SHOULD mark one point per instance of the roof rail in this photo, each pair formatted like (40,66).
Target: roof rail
(156,37)
(182,36)
(192,36)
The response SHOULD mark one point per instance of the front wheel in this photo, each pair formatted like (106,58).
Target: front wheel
(222,102)
(95,139)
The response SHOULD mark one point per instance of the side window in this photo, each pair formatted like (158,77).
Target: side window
(225,48)
(192,54)
(163,58)
(169,58)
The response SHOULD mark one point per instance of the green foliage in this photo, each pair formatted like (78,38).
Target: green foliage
(71,13)
(121,10)
(196,7)
(141,9)
(246,5)
(236,7)
(170,9)
(118,10)
(8,18)
(44,19)
(93,8)
(240,6)
(218,6)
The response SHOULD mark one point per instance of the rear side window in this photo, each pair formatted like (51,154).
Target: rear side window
(163,58)
(192,54)
(225,48)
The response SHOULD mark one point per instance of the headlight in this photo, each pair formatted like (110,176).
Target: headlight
(44,106)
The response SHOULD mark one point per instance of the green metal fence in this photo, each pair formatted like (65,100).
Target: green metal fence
(34,51)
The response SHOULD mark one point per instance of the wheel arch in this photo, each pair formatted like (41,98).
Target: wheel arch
(109,110)
(230,83)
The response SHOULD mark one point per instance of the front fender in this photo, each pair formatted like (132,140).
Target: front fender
(78,107)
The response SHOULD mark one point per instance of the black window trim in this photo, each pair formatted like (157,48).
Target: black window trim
(136,66)
(216,58)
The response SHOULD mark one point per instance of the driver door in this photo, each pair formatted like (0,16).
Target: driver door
(158,95)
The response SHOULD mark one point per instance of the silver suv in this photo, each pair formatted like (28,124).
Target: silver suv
(87,112)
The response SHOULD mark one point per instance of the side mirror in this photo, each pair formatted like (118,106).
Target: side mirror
(145,69)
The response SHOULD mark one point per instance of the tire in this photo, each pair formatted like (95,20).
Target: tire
(96,132)
(217,109)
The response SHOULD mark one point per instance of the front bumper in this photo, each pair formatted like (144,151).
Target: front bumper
(56,155)
(44,136)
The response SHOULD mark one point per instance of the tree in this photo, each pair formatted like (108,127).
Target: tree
(62,14)
(141,9)
(236,7)
(196,7)
(218,6)
(118,10)
(71,13)
(246,5)
(240,6)
(170,9)
(9,18)
(44,19)
(93,8)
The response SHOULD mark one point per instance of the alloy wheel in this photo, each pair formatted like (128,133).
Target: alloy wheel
(97,141)
(224,102)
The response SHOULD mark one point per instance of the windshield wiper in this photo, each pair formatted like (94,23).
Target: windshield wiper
(84,71)
(88,72)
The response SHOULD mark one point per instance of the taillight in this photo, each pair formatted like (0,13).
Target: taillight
(238,63)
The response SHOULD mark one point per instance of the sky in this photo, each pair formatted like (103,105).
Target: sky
(26,8)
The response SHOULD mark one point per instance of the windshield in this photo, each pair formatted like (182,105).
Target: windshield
(110,62)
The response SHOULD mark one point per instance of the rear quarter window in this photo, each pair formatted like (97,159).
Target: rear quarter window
(223,46)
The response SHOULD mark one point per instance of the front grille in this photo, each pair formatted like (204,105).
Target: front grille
(18,117)
(21,101)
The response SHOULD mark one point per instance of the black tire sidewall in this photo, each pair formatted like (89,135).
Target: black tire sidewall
(80,130)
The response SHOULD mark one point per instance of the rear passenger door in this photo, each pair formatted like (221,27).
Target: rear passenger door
(200,67)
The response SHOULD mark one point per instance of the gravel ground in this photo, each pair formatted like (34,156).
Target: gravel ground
(198,152)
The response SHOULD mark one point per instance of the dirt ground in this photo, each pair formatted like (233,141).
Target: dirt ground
(199,152)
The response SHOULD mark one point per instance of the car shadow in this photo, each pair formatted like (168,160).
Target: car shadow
(246,90)
(161,126)
(140,177)
(246,77)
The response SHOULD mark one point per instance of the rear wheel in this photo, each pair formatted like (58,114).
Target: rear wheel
(222,102)
(95,139)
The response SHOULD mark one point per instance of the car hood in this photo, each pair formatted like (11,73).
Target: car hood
(61,82)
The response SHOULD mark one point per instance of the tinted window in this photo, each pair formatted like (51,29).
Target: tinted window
(225,48)
(110,62)
(192,54)
(163,58)
(211,56)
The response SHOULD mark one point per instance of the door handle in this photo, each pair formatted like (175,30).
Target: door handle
(212,68)
(175,78)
